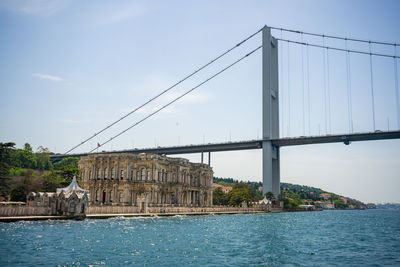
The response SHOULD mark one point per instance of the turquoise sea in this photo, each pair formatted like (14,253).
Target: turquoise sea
(327,238)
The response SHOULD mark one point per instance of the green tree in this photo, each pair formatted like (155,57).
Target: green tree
(24,159)
(240,192)
(43,159)
(68,173)
(6,151)
(52,181)
(339,204)
(19,192)
(219,197)
(28,147)
(290,204)
(69,163)
(269,195)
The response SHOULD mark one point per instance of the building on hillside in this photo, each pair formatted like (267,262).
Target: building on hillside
(345,200)
(145,180)
(68,201)
(307,207)
(326,205)
(325,196)
(227,189)
(217,186)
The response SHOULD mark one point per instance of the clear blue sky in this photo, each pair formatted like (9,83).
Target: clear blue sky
(70,67)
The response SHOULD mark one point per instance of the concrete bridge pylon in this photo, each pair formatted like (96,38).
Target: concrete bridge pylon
(270,113)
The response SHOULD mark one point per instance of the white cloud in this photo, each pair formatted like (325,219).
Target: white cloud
(47,77)
(34,7)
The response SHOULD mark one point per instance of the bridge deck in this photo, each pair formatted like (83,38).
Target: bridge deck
(252,144)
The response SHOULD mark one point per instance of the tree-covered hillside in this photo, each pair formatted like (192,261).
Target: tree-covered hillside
(23,171)
(294,195)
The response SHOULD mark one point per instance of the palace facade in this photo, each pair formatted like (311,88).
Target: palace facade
(145,180)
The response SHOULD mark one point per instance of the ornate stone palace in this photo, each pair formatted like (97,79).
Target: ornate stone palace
(145,180)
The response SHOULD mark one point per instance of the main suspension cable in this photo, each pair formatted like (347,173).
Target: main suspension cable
(336,37)
(165,91)
(340,49)
(176,99)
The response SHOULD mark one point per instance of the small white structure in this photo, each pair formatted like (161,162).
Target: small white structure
(265,201)
(265,204)
(69,201)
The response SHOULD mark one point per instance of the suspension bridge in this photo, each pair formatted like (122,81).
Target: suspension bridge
(274,116)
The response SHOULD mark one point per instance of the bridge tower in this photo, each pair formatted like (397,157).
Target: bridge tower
(270,112)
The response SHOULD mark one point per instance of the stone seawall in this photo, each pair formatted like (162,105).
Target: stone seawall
(165,209)
(112,210)
(24,211)
(9,214)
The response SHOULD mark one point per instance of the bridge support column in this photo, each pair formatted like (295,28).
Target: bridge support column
(270,113)
(209,158)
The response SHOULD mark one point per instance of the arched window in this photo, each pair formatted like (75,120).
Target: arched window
(159,176)
(111,196)
(112,173)
(122,174)
(143,174)
(148,175)
(98,174)
(105,173)
(132,172)
(121,197)
(137,175)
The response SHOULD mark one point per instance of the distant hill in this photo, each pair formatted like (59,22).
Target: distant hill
(299,193)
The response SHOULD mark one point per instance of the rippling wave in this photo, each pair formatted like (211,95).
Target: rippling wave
(339,238)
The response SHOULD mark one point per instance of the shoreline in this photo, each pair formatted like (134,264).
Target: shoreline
(107,216)
(127,215)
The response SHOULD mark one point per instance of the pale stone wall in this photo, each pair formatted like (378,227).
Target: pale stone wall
(112,210)
(166,209)
(119,179)
(24,211)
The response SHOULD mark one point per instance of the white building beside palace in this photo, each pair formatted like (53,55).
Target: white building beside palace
(68,201)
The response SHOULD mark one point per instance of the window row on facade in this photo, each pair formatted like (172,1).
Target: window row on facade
(188,197)
(144,174)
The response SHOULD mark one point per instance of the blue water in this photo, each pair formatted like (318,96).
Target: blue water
(327,238)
